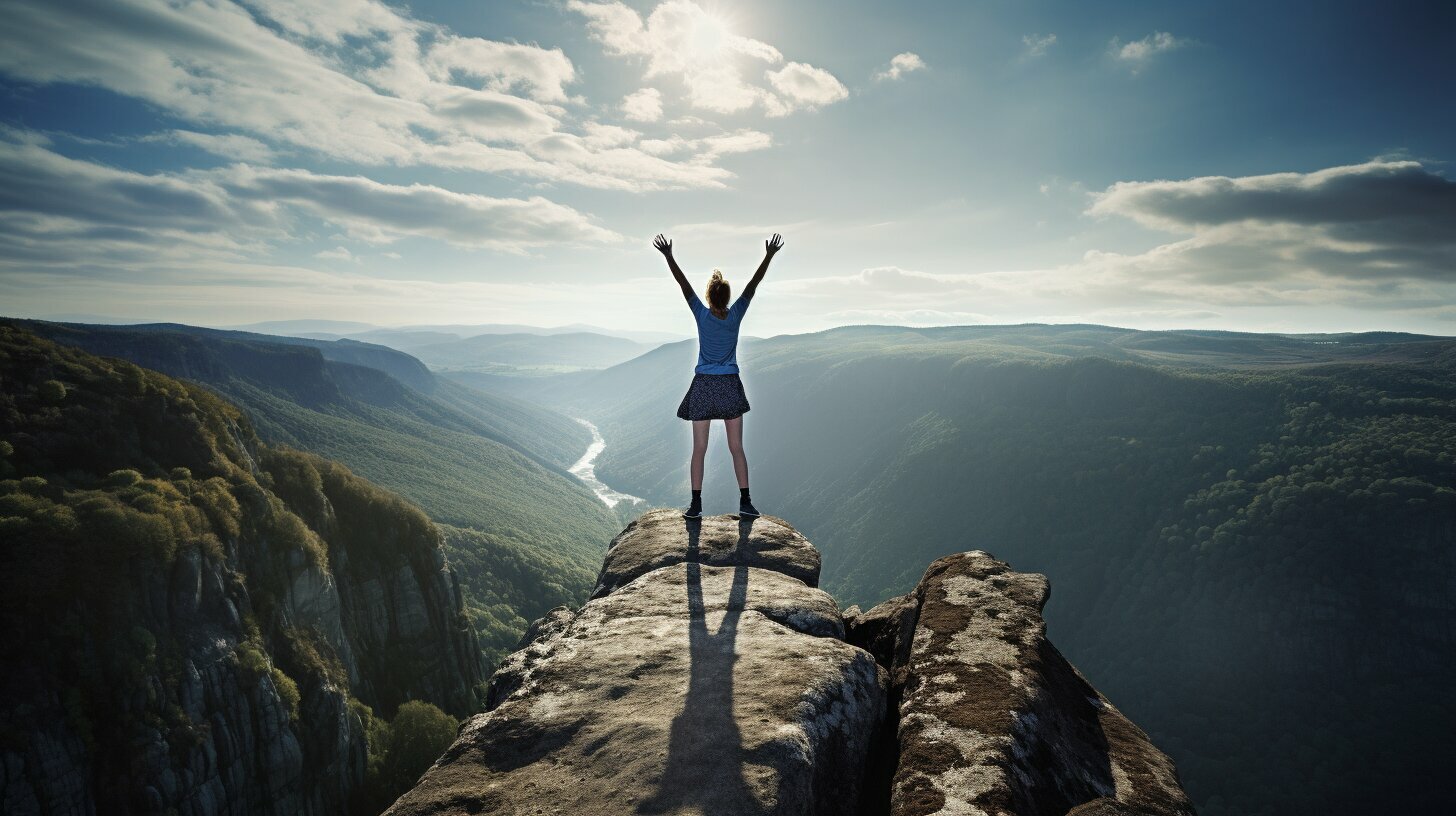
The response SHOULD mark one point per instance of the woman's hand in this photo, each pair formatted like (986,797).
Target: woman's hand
(772,245)
(663,245)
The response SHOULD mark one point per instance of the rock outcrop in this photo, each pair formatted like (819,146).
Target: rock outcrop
(714,681)
(991,718)
(708,675)
(196,632)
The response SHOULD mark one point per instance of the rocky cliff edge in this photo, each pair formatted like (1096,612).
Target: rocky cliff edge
(709,675)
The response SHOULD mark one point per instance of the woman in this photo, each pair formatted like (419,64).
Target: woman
(716,392)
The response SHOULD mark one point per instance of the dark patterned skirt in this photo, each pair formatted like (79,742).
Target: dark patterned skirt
(714,396)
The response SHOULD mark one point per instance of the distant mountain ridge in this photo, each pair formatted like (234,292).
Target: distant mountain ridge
(397,364)
(567,350)
(333,330)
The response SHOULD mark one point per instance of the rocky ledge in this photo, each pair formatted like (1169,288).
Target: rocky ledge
(708,675)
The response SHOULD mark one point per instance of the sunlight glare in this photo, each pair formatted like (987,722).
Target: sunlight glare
(709,36)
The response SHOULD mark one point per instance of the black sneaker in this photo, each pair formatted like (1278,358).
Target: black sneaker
(747,510)
(694,511)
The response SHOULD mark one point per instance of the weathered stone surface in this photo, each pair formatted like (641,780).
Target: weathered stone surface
(886,632)
(692,688)
(993,720)
(657,539)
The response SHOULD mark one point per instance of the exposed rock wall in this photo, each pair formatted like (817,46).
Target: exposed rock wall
(221,737)
(707,675)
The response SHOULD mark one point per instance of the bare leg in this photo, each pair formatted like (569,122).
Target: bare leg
(735,447)
(700,449)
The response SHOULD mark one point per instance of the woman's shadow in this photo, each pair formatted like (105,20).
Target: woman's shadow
(705,757)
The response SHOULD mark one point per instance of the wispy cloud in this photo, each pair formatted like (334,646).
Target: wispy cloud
(60,210)
(231,146)
(1037,44)
(900,65)
(1138,52)
(336,254)
(358,82)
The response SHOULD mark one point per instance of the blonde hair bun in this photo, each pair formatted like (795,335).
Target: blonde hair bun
(718,293)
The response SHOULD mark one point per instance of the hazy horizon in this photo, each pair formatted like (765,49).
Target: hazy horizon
(257,326)
(1247,168)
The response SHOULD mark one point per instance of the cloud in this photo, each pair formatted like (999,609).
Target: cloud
(59,210)
(382,213)
(900,65)
(1361,245)
(353,81)
(804,86)
(681,40)
(1037,44)
(1138,52)
(226,145)
(1381,220)
(541,73)
(228,292)
(336,254)
(643,105)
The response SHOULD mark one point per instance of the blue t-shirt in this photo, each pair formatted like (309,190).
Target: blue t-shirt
(718,338)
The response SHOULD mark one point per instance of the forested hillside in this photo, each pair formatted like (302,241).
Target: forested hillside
(1253,537)
(198,622)
(490,465)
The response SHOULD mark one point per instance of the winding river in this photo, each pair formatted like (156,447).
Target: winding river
(585,469)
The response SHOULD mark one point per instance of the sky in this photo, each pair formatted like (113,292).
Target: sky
(1240,165)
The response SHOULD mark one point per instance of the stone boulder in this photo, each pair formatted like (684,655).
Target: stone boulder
(707,676)
(656,539)
(992,719)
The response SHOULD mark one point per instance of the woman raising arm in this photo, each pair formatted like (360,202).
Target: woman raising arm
(716,391)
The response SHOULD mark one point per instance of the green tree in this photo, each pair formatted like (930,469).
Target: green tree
(52,391)
(418,735)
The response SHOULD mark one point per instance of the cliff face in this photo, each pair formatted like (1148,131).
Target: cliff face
(195,622)
(707,674)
